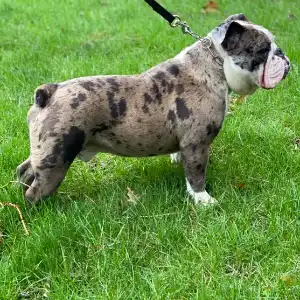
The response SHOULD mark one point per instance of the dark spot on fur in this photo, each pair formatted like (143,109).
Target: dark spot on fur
(160,148)
(212,129)
(156,93)
(112,105)
(183,112)
(99,128)
(118,142)
(171,116)
(148,98)
(76,101)
(179,89)
(170,87)
(122,107)
(159,136)
(50,160)
(88,85)
(139,120)
(194,147)
(193,55)
(117,109)
(160,76)
(72,144)
(115,86)
(145,109)
(40,136)
(174,70)
(140,144)
(209,129)
(198,167)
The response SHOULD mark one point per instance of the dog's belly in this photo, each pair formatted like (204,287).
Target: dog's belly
(140,145)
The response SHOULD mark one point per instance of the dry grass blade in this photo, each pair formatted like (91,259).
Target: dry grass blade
(132,197)
(19,212)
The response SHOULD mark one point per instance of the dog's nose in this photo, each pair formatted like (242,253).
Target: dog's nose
(286,69)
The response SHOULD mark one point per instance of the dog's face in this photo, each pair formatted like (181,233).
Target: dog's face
(251,57)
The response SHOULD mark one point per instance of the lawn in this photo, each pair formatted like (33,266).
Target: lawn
(93,241)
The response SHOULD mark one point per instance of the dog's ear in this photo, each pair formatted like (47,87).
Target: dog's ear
(44,93)
(233,35)
(237,17)
(228,34)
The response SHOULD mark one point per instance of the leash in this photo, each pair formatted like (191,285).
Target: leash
(175,21)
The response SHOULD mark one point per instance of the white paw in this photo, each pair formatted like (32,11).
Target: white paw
(201,197)
(175,158)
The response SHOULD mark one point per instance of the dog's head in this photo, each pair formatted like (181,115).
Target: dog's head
(251,57)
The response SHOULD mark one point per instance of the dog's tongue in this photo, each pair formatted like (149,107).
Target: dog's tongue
(273,73)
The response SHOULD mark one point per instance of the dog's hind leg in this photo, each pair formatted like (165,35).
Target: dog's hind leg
(51,161)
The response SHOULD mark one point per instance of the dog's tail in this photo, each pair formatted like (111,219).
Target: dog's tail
(44,93)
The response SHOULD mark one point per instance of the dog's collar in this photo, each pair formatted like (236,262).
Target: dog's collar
(175,21)
(206,43)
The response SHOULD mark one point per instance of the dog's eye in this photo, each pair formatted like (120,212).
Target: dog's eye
(262,51)
(265,47)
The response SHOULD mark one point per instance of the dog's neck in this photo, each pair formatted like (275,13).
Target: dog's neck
(201,61)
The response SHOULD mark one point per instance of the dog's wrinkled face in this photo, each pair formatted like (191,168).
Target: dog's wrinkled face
(251,57)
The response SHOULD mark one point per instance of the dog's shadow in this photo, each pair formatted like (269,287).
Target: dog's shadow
(144,174)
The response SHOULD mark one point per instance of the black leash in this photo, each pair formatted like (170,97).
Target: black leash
(175,21)
(162,11)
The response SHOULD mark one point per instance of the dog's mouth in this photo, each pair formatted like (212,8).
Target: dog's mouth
(275,70)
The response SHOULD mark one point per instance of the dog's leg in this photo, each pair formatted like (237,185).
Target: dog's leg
(195,159)
(50,160)
(25,174)
(45,183)
(176,158)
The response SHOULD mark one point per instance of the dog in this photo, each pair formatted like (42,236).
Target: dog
(176,107)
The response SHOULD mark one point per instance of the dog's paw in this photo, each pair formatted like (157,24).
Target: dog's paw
(25,174)
(203,198)
(176,158)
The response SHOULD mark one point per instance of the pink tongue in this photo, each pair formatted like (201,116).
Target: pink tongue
(274,71)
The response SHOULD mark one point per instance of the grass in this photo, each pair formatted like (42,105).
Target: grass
(88,241)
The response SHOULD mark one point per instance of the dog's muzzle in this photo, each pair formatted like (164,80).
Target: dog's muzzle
(275,70)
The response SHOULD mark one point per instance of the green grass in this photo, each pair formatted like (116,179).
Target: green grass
(88,241)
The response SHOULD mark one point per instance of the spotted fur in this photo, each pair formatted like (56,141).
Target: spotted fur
(177,107)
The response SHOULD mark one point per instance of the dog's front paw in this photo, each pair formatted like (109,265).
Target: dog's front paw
(25,174)
(203,198)
(176,158)
(200,197)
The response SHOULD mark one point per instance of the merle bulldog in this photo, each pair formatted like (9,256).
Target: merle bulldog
(176,107)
